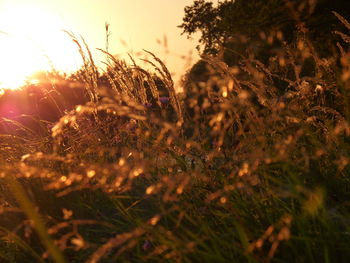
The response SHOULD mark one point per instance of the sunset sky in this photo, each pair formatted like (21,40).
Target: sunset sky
(31,32)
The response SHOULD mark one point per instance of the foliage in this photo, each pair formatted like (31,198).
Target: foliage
(236,169)
(220,24)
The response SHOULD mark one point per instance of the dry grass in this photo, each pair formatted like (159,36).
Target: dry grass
(250,164)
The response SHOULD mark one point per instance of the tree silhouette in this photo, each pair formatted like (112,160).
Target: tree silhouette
(219,24)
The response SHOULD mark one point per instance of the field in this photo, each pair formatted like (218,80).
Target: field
(249,164)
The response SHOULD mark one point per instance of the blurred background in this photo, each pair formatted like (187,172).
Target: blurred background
(31,32)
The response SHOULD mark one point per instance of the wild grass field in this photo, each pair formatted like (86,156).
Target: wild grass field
(249,164)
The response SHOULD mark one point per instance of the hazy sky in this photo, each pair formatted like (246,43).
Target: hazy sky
(140,24)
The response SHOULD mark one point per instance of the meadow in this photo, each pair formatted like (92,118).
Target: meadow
(250,163)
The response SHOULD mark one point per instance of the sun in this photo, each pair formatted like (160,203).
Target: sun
(32,40)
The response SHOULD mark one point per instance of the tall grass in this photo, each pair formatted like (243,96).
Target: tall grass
(249,164)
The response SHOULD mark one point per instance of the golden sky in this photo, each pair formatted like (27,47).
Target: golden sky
(31,32)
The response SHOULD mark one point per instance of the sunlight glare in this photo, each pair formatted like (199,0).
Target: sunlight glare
(32,40)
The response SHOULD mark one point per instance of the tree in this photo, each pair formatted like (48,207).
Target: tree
(219,24)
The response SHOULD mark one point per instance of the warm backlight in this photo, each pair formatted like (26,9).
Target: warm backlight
(32,40)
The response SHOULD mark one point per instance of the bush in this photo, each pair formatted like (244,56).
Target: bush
(251,164)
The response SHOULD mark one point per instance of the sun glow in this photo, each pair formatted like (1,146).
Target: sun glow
(31,40)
